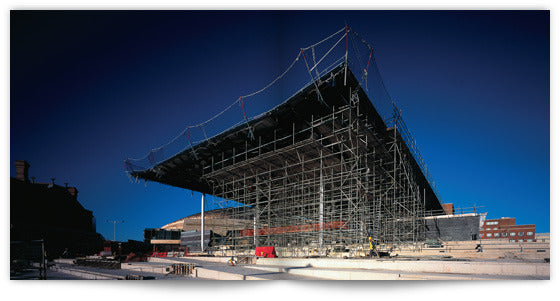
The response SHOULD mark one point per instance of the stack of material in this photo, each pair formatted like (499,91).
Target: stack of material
(99,263)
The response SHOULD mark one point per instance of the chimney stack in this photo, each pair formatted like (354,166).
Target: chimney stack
(22,170)
(448,209)
(73,191)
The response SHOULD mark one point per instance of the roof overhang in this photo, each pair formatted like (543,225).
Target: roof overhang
(187,168)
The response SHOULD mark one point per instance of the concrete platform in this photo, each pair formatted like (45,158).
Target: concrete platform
(366,274)
(147,267)
(451,268)
(370,269)
(217,268)
(92,273)
(207,268)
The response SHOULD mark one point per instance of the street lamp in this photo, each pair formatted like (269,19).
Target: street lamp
(115,228)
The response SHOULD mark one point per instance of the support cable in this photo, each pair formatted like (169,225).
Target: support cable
(346,57)
(319,96)
(201,125)
(326,39)
(190,143)
(251,135)
(324,56)
(365,74)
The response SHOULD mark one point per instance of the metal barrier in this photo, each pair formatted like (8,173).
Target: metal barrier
(99,263)
(182,269)
(138,277)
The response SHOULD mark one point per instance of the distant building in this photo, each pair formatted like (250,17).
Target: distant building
(542,237)
(218,221)
(505,228)
(185,232)
(162,240)
(50,212)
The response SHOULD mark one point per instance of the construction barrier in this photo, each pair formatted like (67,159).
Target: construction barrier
(267,252)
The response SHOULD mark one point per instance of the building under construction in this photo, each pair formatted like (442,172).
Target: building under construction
(321,170)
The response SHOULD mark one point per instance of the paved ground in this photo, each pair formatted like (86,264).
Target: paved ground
(100,273)
(55,275)
(51,275)
(213,269)
(116,274)
(61,272)
(392,274)
(243,269)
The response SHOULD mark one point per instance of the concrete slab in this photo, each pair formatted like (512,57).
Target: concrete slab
(218,269)
(499,268)
(92,273)
(150,267)
(362,274)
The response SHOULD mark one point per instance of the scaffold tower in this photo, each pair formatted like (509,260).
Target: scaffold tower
(322,170)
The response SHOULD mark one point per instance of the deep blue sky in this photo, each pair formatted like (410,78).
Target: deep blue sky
(89,89)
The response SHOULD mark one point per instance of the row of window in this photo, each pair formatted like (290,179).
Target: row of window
(491,223)
(511,234)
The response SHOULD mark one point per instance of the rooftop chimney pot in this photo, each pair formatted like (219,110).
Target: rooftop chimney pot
(73,191)
(22,170)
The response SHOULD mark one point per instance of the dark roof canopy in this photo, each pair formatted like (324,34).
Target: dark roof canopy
(185,170)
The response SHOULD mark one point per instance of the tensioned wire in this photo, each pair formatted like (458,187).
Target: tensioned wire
(245,96)
(151,157)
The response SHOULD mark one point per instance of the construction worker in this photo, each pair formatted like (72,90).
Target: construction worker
(372,249)
(478,248)
(65,254)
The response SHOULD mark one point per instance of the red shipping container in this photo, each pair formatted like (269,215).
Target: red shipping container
(267,252)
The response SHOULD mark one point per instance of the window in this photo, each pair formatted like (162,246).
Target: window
(529,240)
(495,228)
(529,233)
(512,240)
(491,223)
(487,229)
(512,234)
(496,234)
(504,234)
(521,233)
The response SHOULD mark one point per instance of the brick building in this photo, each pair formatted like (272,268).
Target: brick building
(505,228)
(50,212)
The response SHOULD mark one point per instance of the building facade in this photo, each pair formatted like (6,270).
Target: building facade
(52,213)
(505,228)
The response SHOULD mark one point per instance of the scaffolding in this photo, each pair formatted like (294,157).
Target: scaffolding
(319,173)
(336,182)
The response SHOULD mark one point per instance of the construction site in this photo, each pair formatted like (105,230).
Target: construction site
(332,174)
(321,169)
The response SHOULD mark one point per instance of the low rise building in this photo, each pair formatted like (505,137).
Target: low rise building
(505,228)
(52,213)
